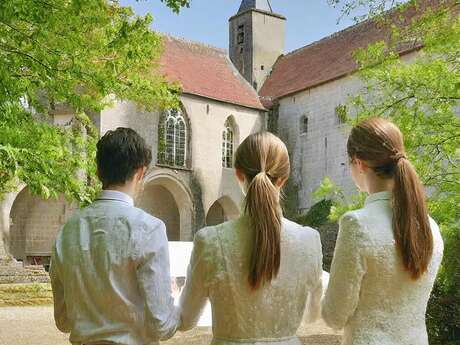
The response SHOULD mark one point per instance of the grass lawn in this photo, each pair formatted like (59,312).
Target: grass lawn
(33,294)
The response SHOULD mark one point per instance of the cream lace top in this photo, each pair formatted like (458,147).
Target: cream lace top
(370,294)
(219,269)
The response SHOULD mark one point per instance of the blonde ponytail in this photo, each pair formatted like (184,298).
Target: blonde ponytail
(264,160)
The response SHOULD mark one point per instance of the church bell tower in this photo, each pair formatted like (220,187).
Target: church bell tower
(257,39)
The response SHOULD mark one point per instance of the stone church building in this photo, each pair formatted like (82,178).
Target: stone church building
(225,97)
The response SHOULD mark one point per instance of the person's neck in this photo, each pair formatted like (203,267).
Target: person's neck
(380,185)
(126,188)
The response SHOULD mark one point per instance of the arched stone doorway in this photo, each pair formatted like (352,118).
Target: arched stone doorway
(221,211)
(33,225)
(167,198)
(159,202)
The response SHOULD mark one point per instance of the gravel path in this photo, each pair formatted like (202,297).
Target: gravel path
(35,326)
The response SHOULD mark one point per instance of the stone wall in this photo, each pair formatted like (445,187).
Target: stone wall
(196,187)
(241,53)
(32,224)
(264,42)
(320,150)
(269,32)
(207,126)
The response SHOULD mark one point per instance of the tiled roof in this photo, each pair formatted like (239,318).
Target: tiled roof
(327,59)
(206,71)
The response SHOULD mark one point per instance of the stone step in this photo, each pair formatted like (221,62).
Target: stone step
(20,275)
(9,261)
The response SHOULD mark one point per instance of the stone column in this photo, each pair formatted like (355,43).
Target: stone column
(6,203)
(4,223)
(2,250)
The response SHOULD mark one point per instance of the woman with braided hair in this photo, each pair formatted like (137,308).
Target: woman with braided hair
(387,253)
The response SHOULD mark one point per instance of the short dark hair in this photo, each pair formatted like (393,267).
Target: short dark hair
(120,153)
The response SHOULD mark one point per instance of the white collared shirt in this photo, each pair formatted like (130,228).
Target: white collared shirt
(110,275)
(108,194)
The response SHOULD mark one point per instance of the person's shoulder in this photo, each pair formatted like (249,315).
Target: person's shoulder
(300,239)
(438,243)
(300,232)
(212,235)
(73,221)
(433,225)
(145,221)
(136,221)
(356,218)
(209,233)
(356,225)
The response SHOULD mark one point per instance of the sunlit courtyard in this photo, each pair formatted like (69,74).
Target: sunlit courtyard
(35,326)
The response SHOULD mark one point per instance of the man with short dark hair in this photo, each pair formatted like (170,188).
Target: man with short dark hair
(110,263)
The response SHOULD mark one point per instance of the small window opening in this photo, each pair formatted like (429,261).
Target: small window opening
(303,125)
(240,34)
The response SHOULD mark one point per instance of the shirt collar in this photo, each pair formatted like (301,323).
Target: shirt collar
(108,194)
(378,196)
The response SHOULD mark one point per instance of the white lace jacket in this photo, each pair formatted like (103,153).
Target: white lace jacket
(219,270)
(370,294)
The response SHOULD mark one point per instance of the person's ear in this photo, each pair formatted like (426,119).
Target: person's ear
(281,182)
(362,165)
(140,173)
(240,175)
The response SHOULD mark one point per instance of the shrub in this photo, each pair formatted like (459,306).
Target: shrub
(317,215)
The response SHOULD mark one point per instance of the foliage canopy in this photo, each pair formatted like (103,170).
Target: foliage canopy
(69,57)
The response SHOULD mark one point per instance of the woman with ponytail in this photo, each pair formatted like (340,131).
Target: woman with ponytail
(388,253)
(261,271)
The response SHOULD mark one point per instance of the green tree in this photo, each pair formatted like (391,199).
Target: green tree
(75,55)
(422,96)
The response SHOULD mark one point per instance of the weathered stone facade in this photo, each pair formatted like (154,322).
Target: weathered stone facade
(30,225)
(309,124)
(257,39)
(170,192)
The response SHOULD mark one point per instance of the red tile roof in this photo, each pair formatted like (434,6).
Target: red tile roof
(206,71)
(328,59)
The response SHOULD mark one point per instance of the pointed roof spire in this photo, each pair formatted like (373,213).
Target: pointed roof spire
(263,5)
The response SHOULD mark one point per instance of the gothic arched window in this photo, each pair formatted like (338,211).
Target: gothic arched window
(227,144)
(173,139)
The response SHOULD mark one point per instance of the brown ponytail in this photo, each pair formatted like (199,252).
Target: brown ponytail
(379,142)
(264,160)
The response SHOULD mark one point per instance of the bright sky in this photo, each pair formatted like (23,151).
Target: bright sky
(206,21)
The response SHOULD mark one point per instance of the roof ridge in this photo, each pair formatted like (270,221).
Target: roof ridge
(240,77)
(367,21)
(337,33)
(189,41)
